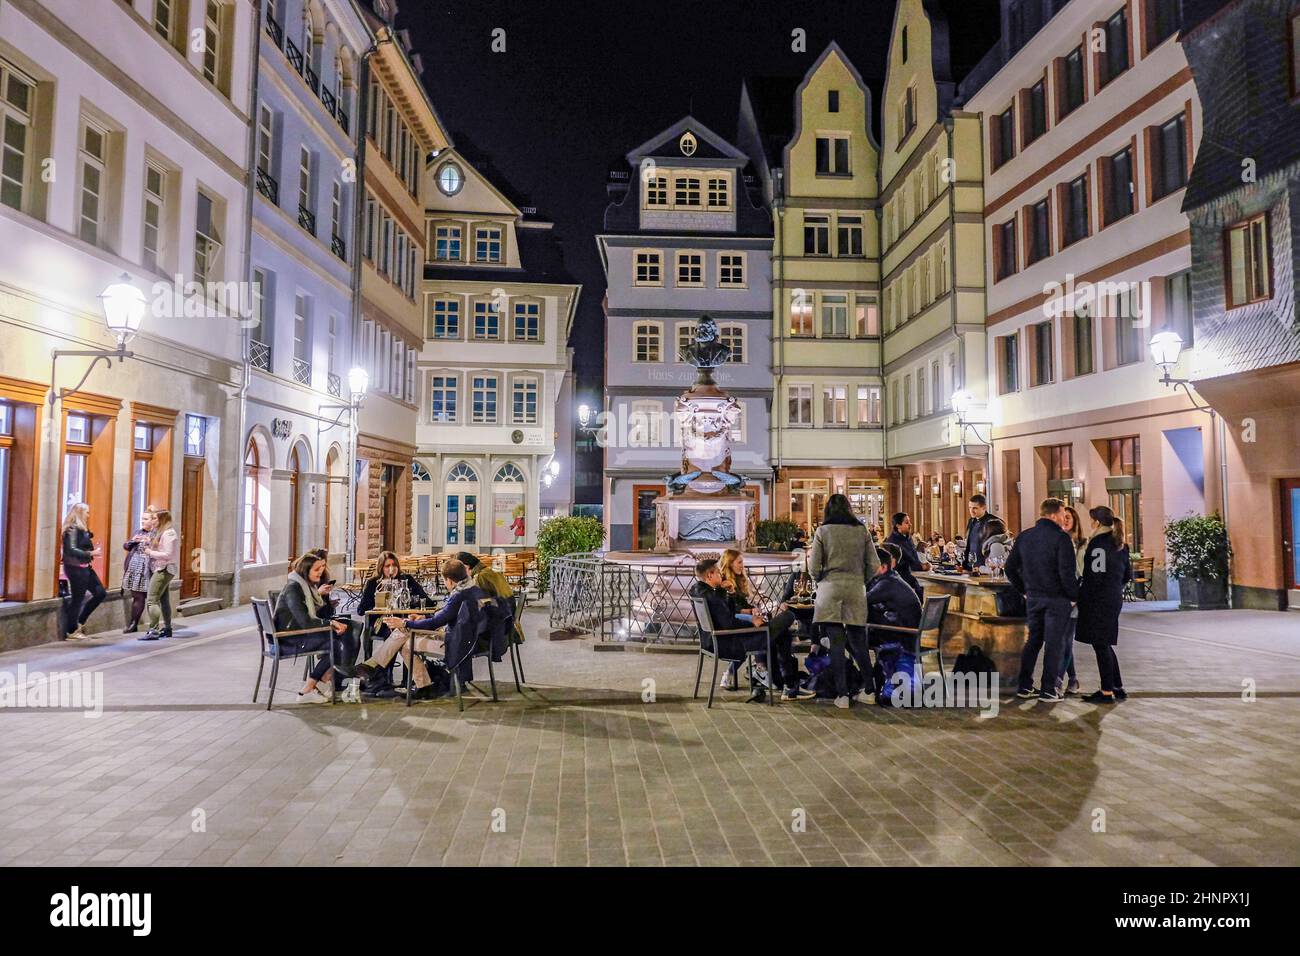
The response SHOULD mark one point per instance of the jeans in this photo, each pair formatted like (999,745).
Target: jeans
(784,669)
(855,635)
(1067,665)
(81,582)
(1050,625)
(1108,667)
(160,599)
(345,650)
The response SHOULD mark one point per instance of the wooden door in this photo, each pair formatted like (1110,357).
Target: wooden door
(191,526)
(1291,532)
(1011,487)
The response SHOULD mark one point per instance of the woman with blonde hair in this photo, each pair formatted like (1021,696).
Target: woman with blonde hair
(164,551)
(79,551)
(744,599)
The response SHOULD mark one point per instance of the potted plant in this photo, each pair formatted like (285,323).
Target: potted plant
(1199,552)
(773,534)
(565,535)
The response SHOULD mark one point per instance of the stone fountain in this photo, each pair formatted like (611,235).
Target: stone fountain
(705,505)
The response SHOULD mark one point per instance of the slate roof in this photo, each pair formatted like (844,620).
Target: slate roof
(540,250)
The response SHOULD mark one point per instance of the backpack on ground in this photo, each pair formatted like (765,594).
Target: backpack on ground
(895,669)
(973,660)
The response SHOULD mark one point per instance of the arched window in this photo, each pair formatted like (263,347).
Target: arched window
(254,503)
(462,472)
(509,472)
(295,488)
(419,472)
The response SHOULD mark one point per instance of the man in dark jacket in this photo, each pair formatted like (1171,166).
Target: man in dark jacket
(784,669)
(909,561)
(1042,568)
(976,532)
(890,599)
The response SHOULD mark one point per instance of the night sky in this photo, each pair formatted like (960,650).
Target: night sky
(581,83)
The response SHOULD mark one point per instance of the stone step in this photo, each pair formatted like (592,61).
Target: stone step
(199,605)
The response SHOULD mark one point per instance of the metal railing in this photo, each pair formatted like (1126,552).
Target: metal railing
(268,187)
(648,602)
(334,384)
(342,117)
(328,100)
(312,79)
(307,219)
(301,371)
(293,53)
(274,31)
(259,355)
(339,247)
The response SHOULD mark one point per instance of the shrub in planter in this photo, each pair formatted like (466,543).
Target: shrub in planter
(565,535)
(774,533)
(1199,552)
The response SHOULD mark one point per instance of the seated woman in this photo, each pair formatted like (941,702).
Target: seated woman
(389,575)
(304,603)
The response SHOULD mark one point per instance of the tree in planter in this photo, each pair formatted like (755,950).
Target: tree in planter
(565,535)
(1199,551)
(774,533)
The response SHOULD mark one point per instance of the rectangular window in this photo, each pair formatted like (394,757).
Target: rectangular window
(1163,18)
(1114,59)
(1295,59)
(1005,141)
(483,399)
(487,320)
(207,240)
(196,436)
(719,193)
(306,192)
(909,111)
(1248,262)
(17,105)
(1042,367)
(656,191)
(816,235)
(1084,363)
(801,315)
(301,329)
(848,235)
(1036,111)
(936,386)
(649,268)
(94,173)
(1128,329)
(336,210)
(1169,157)
(868,405)
(908,407)
(446,242)
(832,101)
(524,401)
(832,155)
(446,319)
(647,339)
(1004,237)
(686,191)
(1075,211)
(1060,462)
(1118,184)
(867,319)
(162,18)
(733,337)
(527,321)
(835,405)
(371,236)
(155,187)
(731,270)
(1072,87)
(442,398)
(1008,364)
(487,244)
(690,269)
(1040,234)
(835,315)
(1178,306)
(800,404)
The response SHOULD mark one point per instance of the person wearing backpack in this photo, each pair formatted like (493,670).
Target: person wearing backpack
(1106,570)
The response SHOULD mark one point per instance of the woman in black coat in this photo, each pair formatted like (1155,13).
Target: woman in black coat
(304,604)
(85,590)
(1106,569)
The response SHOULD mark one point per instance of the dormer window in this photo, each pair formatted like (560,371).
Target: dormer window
(446,242)
(687,191)
(450,179)
(656,191)
(487,244)
(719,193)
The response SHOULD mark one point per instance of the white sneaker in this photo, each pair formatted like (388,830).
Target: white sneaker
(326,690)
(728,681)
(842,703)
(78,634)
(862,697)
(760,676)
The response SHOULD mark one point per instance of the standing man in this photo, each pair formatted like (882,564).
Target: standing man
(1042,568)
(976,532)
(910,562)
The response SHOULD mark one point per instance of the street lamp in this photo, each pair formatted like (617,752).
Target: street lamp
(1166,347)
(962,402)
(358,383)
(584,414)
(124,308)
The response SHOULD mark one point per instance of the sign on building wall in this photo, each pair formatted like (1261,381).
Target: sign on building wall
(508,523)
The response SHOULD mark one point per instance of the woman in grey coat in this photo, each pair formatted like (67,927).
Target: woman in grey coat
(843,561)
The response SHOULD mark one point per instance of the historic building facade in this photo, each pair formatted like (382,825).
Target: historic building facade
(685,234)
(932,275)
(125,154)
(296,433)
(401,129)
(493,371)
(1243,201)
(820,177)
(1091,121)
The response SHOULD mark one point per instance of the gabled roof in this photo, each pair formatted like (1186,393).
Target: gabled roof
(664,144)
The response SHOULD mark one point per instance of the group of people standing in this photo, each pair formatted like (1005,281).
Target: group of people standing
(152,562)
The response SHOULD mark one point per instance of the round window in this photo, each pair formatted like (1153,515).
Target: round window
(450,179)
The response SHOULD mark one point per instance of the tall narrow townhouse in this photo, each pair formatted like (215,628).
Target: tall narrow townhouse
(402,129)
(820,178)
(498,310)
(296,441)
(932,265)
(1091,118)
(125,150)
(686,234)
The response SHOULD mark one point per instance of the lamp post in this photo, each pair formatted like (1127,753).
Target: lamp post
(358,382)
(124,308)
(962,401)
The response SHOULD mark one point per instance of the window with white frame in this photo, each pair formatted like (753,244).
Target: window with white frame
(909,405)
(647,342)
(446,242)
(801,314)
(719,192)
(868,405)
(213,42)
(835,315)
(266,141)
(922,393)
(93,159)
(523,401)
(835,405)
(444,319)
(936,386)
(685,338)
(690,269)
(738,426)
(867,318)
(442,397)
(155,191)
(832,154)
(306,191)
(686,191)
(848,231)
(301,328)
(733,337)
(487,243)
(799,404)
(527,326)
(17,109)
(410,376)
(164,19)
(483,399)
(336,210)
(487,320)
(371,234)
(731,270)
(649,268)
(645,424)
(656,191)
(207,239)
(816,234)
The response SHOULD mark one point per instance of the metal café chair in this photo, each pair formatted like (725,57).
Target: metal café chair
(517,602)
(709,648)
(473,648)
(932,615)
(271,638)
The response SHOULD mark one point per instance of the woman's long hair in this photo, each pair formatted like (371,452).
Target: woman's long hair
(384,557)
(163,517)
(302,567)
(1105,517)
(739,582)
(1076,535)
(76,516)
(838,511)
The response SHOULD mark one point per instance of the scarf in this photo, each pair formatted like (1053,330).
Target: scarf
(314,600)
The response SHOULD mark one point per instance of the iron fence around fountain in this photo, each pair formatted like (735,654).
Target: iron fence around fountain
(641,601)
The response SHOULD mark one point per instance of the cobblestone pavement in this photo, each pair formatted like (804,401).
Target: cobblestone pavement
(182,768)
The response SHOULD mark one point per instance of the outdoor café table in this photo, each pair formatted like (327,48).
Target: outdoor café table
(374,614)
(983,610)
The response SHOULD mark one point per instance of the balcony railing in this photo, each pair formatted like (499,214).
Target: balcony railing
(328,99)
(274,31)
(342,117)
(268,187)
(335,385)
(307,219)
(259,355)
(339,247)
(312,79)
(293,53)
(301,371)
